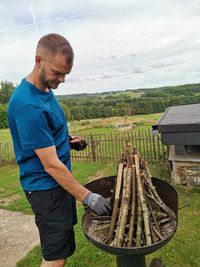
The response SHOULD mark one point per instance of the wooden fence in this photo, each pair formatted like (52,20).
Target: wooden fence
(7,155)
(106,147)
(109,147)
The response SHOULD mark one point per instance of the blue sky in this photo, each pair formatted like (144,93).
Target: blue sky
(118,44)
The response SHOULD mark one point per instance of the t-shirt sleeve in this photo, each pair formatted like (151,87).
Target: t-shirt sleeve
(33,127)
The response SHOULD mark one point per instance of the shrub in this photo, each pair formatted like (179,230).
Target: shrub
(3,116)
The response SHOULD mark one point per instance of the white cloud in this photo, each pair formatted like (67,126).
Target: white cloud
(117,44)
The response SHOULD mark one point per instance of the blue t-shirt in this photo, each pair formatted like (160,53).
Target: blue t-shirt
(36,121)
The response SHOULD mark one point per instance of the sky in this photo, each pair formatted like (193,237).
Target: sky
(118,45)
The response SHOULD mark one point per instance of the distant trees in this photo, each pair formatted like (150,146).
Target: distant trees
(118,103)
(6,89)
(3,116)
(141,101)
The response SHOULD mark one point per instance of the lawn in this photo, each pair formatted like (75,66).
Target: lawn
(182,251)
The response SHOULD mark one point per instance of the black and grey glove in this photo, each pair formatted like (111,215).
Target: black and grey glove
(97,203)
(77,143)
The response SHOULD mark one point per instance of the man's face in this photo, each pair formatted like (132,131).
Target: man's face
(53,71)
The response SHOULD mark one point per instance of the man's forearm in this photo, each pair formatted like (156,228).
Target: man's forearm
(64,177)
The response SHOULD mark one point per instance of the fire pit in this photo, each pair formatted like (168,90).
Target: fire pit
(130,256)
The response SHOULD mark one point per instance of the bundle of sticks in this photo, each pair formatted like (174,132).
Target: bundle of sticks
(139,216)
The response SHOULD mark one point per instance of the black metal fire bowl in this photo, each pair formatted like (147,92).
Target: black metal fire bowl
(134,256)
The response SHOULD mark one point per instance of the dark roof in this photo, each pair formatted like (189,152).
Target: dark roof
(182,118)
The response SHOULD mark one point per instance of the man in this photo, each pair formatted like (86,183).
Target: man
(42,150)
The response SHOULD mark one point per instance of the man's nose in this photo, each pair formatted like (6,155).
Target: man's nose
(61,78)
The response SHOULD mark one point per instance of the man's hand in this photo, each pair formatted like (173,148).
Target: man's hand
(97,203)
(77,143)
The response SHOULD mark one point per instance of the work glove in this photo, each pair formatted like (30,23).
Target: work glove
(97,203)
(77,143)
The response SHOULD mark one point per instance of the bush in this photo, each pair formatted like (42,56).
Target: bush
(3,116)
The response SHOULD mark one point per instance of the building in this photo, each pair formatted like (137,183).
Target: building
(179,127)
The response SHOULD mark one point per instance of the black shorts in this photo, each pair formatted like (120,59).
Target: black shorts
(55,216)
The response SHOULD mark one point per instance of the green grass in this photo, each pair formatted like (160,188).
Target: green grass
(5,135)
(11,193)
(182,250)
(10,187)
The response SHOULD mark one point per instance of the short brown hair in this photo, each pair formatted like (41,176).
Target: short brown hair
(55,43)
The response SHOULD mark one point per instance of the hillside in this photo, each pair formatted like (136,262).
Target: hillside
(128,102)
(115,103)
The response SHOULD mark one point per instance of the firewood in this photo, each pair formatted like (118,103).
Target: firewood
(125,207)
(132,210)
(153,215)
(157,233)
(139,217)
(101,227)
(120,225)
(157,197)
(166,220)
(143,203)
(116,201)
(161,215)
(139,224)
(153,236)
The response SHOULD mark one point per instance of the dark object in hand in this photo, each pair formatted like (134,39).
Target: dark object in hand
(77,143)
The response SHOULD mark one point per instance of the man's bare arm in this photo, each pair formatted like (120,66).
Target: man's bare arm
(60,172)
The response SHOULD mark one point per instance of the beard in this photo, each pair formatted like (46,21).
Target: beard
(50,84)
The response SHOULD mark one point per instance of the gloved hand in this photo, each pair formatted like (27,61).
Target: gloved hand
(77,143)
(97,203)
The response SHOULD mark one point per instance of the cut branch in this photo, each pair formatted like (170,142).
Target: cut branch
(132,210)
(143,203)
(116,201)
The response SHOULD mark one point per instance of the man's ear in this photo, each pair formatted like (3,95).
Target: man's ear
(37,60)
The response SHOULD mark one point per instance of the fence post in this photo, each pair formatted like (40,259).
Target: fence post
(93,148)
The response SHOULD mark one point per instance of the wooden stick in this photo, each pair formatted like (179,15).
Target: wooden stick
(139,224)
(153,215)
(101,227)
(132,210)
(152,234)
(125,207)
(166,220)
(116,241)
(157,233)
(143,203)
(157,198)
(116,201)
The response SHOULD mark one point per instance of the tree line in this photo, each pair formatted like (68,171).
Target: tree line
(129,102)
(117,103)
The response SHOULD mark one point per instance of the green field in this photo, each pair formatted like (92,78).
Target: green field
(110,125)
(183,250)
